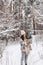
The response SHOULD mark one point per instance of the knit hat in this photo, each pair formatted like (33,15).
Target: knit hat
(22,32)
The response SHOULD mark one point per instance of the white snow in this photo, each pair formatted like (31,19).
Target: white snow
(37,51)
(12,54)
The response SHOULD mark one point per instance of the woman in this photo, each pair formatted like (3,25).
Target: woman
(25,47)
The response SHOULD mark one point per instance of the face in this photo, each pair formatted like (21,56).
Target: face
(25,36)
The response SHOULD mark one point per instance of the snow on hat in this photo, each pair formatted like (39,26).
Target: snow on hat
(22,32)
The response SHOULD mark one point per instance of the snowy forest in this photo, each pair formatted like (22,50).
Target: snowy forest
(26,13)
(16,15)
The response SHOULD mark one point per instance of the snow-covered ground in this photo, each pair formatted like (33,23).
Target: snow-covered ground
(36,55)
(12,54)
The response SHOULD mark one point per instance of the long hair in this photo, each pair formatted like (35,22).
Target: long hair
(22,37)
